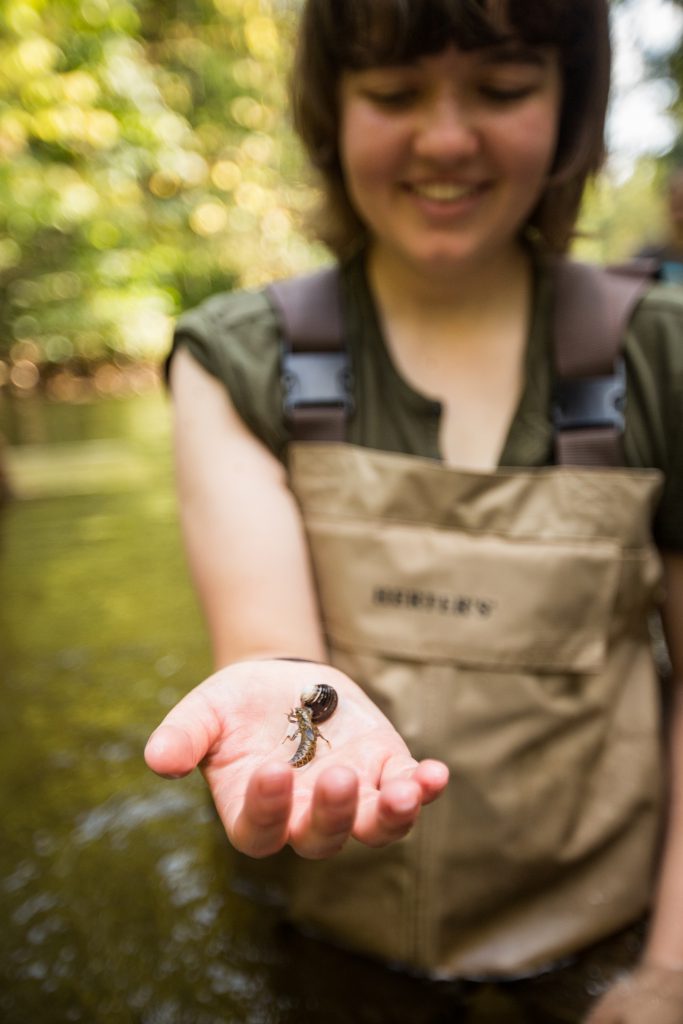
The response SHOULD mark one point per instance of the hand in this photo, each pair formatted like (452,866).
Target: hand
(365,783)
(650,995)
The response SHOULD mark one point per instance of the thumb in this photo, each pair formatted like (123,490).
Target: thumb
(184,738)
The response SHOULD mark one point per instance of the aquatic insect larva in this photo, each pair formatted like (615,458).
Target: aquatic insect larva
(317,705)
(308,734)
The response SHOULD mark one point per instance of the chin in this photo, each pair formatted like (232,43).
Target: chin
(442,264)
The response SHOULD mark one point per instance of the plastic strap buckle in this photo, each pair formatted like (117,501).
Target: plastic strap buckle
(316,379)
(588,402)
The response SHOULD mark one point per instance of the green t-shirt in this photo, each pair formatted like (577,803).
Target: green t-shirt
(235,337)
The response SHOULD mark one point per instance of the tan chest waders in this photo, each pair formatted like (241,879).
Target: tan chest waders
(500,621)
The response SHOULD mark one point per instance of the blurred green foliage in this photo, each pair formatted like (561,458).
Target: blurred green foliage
(620,216)
(145,161)
(671,65)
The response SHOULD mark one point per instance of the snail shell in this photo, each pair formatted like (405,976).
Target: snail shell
(321,699)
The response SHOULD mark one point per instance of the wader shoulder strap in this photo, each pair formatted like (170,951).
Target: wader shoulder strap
(316,378)
(592,309)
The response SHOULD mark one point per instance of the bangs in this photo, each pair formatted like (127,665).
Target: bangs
(369,33)
(398,31)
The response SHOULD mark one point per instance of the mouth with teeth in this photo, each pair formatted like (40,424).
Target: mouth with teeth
(444,191)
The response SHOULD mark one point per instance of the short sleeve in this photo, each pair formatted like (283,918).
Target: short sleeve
(654,410)
(234,336)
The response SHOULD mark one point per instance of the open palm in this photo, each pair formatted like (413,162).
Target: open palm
(361,782)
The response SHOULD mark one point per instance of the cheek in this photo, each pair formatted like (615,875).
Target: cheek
(369,149)
(532,145)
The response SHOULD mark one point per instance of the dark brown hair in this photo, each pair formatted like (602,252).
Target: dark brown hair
(338,35)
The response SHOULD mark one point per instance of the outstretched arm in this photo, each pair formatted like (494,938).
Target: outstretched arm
(241,525)
(249,561)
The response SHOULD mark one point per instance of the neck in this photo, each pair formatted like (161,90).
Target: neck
(445,289)
(450,292)
(461,342)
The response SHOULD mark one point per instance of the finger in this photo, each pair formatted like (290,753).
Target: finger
(185,736)
(432,778)
(430,775)
(389,814)
(259,826)
(327,822)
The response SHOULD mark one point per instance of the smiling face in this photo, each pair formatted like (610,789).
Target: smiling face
(444,158)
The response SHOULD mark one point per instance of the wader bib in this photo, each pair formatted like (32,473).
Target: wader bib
(500,621)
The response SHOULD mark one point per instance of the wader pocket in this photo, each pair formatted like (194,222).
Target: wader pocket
(476,600)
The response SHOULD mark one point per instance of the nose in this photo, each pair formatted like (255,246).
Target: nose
(448,130)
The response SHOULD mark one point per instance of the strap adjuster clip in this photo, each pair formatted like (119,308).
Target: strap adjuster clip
(315,379)
(590,402)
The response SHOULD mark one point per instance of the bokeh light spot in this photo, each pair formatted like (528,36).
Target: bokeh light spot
(209,218)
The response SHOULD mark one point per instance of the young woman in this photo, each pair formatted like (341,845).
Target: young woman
(480,611)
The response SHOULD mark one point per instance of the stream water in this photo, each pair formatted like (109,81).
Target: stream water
(117,898)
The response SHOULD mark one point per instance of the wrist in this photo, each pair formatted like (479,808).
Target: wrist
(307,661)
(257,658)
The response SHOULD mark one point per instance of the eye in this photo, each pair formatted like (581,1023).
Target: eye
(509,74)
(390,88)
(507,93)
(392,99)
